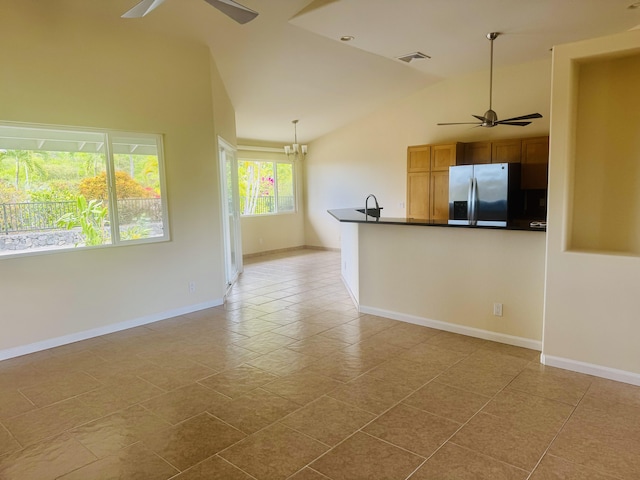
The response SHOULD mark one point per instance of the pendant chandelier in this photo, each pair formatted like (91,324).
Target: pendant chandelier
(296,149)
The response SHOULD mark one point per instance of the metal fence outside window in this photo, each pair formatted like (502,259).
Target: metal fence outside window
(37,216)
(266,204)
(28,217)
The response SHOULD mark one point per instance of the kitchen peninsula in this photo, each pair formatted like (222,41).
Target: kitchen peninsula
(354,215)
(447,278)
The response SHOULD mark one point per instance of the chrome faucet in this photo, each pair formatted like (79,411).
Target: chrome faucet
(366,205)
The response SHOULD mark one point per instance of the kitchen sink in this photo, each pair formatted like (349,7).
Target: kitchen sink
(372,212)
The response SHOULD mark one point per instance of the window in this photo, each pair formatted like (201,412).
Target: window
(266,187)
(64,188)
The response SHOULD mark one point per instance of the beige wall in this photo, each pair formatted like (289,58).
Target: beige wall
(369,156)
(93,71)
(266,233)
(606,205)
(592,301)
(455,275)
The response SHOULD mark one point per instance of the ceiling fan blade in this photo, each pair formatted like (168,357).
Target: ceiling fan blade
(482,119)
(234,10)
(520,124)
(142,8)
(461,123)
(524,117)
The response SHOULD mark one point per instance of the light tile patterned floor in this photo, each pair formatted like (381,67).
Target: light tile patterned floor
(289,381)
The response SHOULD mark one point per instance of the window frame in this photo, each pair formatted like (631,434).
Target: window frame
(275,162)
(112,200)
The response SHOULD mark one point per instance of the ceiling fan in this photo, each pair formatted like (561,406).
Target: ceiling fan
(490,118)
(230,8)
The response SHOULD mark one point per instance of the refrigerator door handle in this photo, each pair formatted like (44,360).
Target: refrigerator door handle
(470,201)
(473,217)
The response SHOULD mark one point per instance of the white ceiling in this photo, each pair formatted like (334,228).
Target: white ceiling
(289,63)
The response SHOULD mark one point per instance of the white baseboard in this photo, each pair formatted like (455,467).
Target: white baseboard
(455,328)
(353,297)
(96,332)
(591,369)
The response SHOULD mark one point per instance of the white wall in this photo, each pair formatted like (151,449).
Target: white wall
(369,156)
(88,70)
(592,302)
(350,258)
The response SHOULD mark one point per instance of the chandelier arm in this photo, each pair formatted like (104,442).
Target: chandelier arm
(295,149)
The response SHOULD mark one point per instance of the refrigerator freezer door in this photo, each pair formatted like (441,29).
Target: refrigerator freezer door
(492,188)
(460,192)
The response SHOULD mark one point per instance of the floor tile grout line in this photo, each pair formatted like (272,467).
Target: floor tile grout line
(180,472)
(573,411)
(461,426)
(360,430)
(490,457)
(457,430)
(21,446)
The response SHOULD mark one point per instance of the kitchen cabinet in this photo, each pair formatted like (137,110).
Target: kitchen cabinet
(428,179)
(499,151)
(418,190)
(428,170)
(445,156)
(506,151)
(440,195)
(419,158)
(535,163)
(476,152)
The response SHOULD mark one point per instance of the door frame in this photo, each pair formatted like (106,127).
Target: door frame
(232,240)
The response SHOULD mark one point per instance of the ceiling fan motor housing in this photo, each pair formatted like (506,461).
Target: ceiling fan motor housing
(490,119)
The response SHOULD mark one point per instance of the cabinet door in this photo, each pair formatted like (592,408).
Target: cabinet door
(477,152)
(419,158)
(444,156)
(506,151)
(440,195)
(418,195)
(535,163)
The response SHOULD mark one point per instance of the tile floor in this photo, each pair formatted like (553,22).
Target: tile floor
(289,381)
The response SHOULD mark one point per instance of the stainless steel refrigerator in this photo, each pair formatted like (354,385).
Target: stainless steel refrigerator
(483,194)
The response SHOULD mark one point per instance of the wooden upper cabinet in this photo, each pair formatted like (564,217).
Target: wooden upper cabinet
(419,158)
(428,179)
(535,163)
(506,151)
(445,156)
(476,152)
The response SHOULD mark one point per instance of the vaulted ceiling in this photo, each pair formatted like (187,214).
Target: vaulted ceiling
(289,63)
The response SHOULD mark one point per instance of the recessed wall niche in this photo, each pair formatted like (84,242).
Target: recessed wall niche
(606,176)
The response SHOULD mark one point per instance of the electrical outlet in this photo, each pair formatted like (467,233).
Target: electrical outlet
(401,205)
(192,287)
(497,309)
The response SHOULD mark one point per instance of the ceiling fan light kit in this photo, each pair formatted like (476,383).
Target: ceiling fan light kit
(230,8)
(490,118)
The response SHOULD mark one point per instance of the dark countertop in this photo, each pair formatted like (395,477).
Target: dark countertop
(351,215)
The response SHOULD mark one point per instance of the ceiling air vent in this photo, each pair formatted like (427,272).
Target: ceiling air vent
(409,57)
